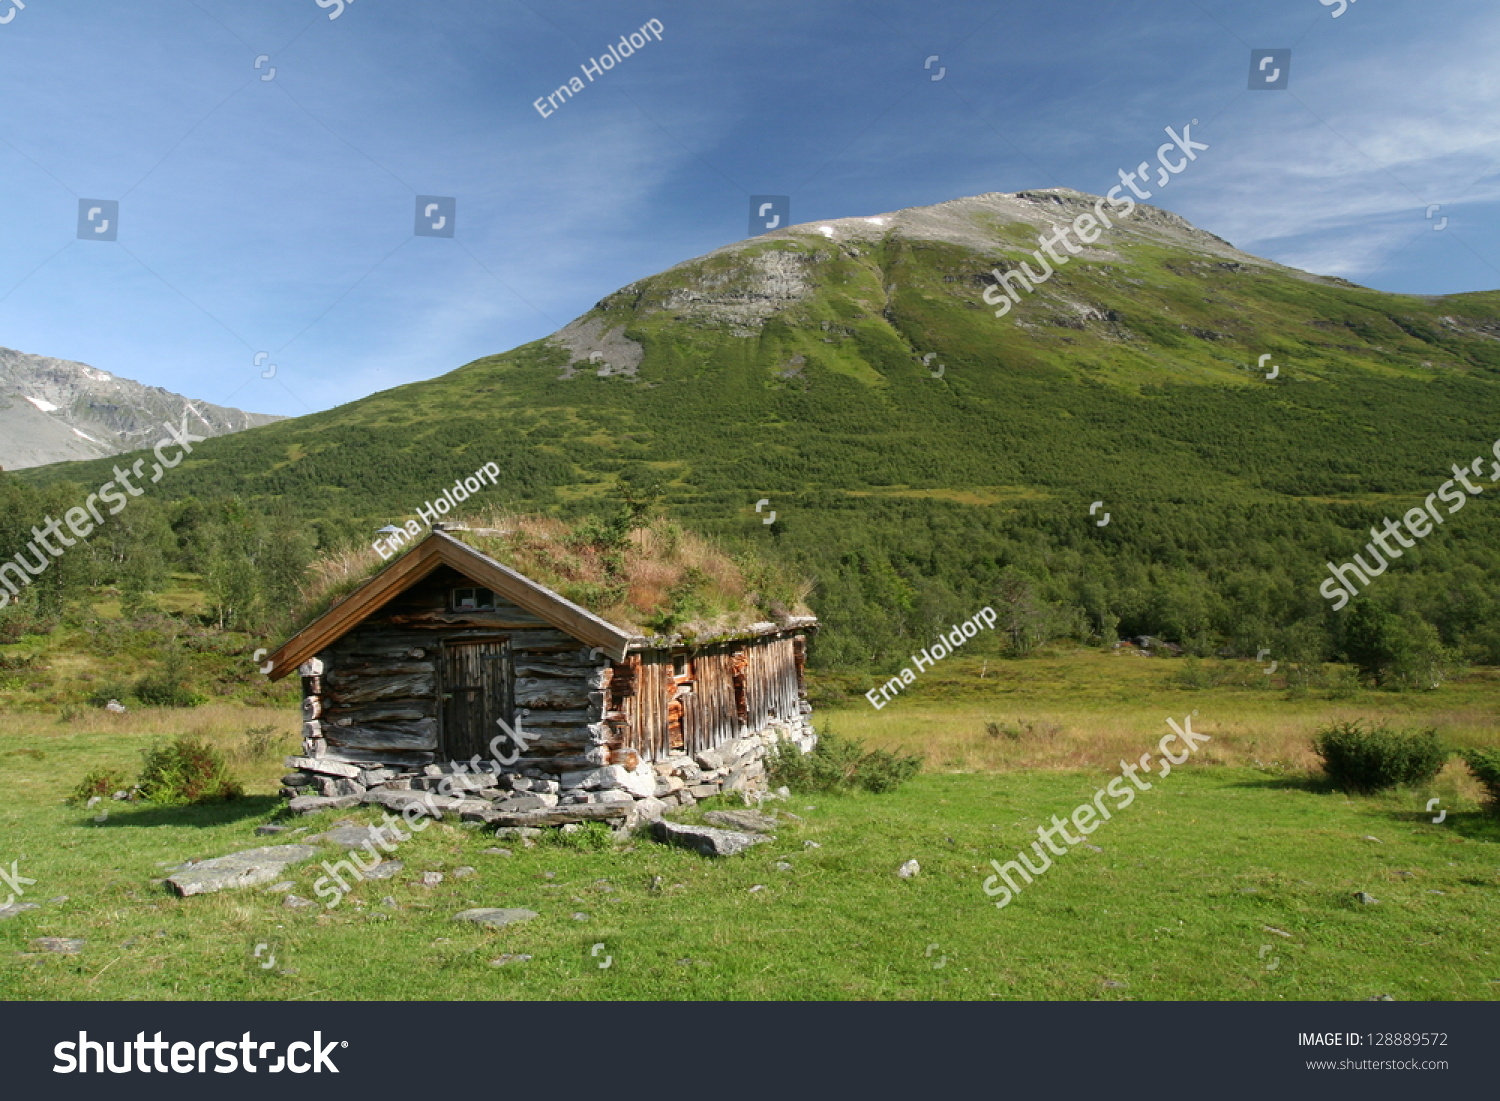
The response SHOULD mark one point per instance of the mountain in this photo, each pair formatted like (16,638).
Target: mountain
(922,455)
(54,410)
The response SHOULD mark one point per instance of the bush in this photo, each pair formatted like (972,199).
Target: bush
(1364,760)
(184,771)
(1485,765)
(102,782)
(840,764)
(101,694)
(168,686)
(589,837)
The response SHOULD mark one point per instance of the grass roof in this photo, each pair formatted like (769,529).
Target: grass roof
(652,578)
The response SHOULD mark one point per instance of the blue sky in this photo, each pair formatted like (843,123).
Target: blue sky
(277,214)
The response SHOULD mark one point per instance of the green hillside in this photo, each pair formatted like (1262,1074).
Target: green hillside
(790,368)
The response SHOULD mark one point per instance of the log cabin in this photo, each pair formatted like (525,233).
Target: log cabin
(448,671)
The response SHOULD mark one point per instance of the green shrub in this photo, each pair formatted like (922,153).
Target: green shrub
(184,771)
(168,686)
(589,837)
(840,764)
(101,694)
(1363,759)
(1485,765)
(102,782)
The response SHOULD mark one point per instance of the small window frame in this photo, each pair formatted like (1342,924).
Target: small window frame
(482,599)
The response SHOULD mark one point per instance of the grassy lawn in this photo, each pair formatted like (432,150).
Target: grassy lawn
(1176,905)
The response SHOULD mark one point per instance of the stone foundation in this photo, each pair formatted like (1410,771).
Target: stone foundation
(529,794)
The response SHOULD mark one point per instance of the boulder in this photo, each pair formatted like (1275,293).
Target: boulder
(243,869)
(384,870)
(709,759)
(704,839)
(747,821)
(16,908)
(495,918)
(645,810)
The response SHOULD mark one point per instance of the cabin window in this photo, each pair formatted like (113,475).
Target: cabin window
(679,665)
(473,599)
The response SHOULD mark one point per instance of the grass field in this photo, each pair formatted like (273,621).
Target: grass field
(1228,880)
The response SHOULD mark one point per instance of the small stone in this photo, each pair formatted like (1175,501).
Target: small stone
(1377,840)
(268,831)
(115,707)
(496,852)
(66,945)
(278,888)
(656,882)
(1278,932)
(783,866)
(58,901)
(495,917)
(909,869)
(431,879)
(1367,899)
(463,873)
(292,902)
(549,875)
(580,917)
(1096,848)
(811,845)
(384,870)
(388,902)
(1437,892)
(1114,984)
(1381,998)
(757,887)
(501,961)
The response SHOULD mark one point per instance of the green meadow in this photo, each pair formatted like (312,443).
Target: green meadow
(1235,877)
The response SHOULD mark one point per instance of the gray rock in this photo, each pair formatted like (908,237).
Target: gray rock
(463,873)
(580,916)
(501,961)
(521,832)
(431,879)
(16,908)
(269,831)
(496,852)
(811,845)
(703,791)
(66,945)
(294,902)
(243,869)
(359,837)
(312,804)
(427,803)
(757,887)
(749,821)
(709,759)
(783,866)
(279,888)
(525,802)
(384,870)
(909,869)
(495,917)
(1361,896)
(704,839)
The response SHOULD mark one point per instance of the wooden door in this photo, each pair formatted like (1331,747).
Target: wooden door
(477,692)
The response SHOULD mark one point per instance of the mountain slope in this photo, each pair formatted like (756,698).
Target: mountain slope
(55,410)
(917,450)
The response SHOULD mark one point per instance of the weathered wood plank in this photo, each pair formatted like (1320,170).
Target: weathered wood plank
(418,735)
(369,689)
